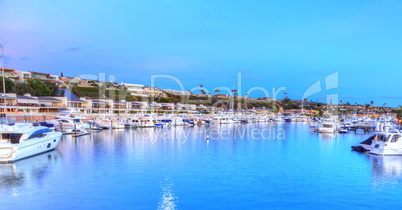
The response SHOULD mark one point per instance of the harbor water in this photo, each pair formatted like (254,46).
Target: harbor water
(247,166)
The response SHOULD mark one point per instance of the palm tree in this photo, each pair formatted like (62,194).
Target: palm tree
(234,92)
(201,86)
(217,90)
(372,102)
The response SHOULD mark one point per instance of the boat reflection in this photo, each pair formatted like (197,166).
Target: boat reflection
(27,170)
(386,169)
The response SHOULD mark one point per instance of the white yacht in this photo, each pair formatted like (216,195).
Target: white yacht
(69,121)
(178,121)
(23,140)
(328,126)
(279,118)
(217,120)
(387,143)
(146,121)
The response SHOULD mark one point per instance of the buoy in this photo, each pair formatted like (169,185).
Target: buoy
(207,137)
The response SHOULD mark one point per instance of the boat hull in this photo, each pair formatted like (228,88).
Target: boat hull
(29,148)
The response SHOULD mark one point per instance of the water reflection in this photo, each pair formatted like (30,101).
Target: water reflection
(168,199)
(32,169)
(386,169)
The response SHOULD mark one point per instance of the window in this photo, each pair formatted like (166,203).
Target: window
(395,138)
(39,133)
(26,75)
(13,137)
(39,76)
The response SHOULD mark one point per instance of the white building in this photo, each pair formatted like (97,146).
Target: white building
(177,92)
(24,75)
(134,89)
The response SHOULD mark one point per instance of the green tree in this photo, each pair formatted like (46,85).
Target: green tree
(22,88)
(275,108)
(53,87)
(40,88)
(399,112)
(9,85)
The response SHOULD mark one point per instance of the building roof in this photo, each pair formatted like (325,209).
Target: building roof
(77,100)
(48,99)
(261,108)
(137,103)
(155,105)
(25,97)
(26,100)
(40,73)
(99,101)
(8,97)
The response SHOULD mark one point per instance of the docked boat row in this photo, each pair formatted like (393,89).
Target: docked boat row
(22,140)
(337,124)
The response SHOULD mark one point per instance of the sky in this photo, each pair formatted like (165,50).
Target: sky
(268,44)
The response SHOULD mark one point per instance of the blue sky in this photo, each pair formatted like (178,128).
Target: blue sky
(272,43)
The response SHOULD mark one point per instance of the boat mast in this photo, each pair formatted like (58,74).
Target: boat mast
(4,82)
(233,92)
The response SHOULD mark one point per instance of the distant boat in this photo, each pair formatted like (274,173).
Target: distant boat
(328,126)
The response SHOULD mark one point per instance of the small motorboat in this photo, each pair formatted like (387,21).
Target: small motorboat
(343,130)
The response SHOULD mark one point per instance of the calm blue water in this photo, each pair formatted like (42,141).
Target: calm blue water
(127,169)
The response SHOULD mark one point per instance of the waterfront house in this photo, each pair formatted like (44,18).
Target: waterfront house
(27,103)
(101,105)
(52,104)
(12,104)
(134,89)
(222,96)
(11,74)
(154,92)
(298,111)
(201,108)
(262,110)
(138,106)
(81,104)
(168,106)
(177,92)
(23,76)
